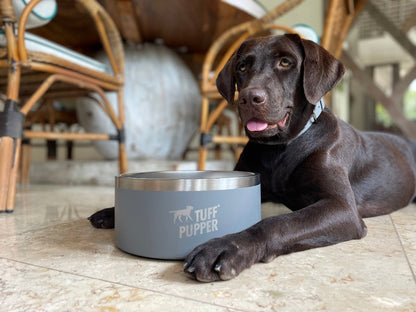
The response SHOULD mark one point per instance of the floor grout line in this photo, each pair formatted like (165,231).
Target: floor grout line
(124,285)
(403,249)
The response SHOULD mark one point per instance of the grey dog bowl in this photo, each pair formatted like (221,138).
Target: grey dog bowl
(166,214)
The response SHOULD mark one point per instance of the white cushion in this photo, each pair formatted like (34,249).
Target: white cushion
(306,32)
(251,7)
(38,44)
(41,14)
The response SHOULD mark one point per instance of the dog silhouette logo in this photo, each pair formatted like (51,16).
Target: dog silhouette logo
(185,213)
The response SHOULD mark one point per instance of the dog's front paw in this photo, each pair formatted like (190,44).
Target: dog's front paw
(220,259)
(103,219)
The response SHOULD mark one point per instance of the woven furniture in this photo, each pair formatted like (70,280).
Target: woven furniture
(29,78)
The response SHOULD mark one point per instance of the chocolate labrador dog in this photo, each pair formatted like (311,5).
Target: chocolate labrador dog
(330,174)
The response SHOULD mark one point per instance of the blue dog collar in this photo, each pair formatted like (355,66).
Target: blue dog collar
(319,107)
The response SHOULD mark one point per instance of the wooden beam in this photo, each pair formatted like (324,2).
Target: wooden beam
(123,14)
(402,85)
(408,127)
(409,22)
(129,26)
(339,17)
(387,25)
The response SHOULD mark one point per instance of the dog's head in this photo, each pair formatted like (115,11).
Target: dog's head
(276,78)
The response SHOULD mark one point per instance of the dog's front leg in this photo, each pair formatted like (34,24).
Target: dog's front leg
(103,219)
(322,224)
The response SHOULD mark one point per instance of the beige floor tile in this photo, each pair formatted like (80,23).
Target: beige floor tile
(405,223)
(41,206)
(371,274)
(30,288)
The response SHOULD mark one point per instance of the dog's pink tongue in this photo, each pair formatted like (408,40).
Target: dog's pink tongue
(256,125)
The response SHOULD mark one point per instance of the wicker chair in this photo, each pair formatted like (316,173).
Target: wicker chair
(28,77)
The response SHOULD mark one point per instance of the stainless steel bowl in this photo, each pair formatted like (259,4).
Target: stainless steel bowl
(166,214)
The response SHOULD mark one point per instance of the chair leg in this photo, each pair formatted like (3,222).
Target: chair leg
(217,148)
(13,178)
(11,125)
(52,147)
(202,157)
(237,152)
(69,150)
(6,158)
(202,154)
(122,156)
(24,177)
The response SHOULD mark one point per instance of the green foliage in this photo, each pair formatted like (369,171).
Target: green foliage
(410,104)
(409,109)
(382,116)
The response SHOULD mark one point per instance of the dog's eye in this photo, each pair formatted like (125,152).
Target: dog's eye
(284,62)
(242,67)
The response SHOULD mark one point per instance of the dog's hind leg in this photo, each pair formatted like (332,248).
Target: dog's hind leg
(413,148)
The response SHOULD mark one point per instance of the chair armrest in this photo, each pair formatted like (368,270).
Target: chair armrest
(21,48)
(109,35)
(7,12)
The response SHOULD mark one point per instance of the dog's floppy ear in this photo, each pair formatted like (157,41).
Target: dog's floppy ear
(226,82)
(321,71)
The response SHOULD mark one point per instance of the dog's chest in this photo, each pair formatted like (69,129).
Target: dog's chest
(275,171)
(282,177)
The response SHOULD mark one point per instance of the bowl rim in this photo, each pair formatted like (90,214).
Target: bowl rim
(187,180)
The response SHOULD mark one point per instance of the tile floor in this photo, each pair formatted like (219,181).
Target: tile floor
(51,259)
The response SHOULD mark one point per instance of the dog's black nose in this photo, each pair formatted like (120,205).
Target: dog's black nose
(254,96)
